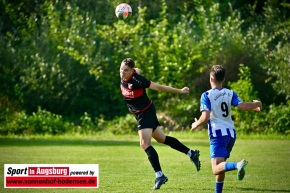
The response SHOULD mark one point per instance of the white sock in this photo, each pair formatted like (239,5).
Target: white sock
(239,164)
(159,174)
(189,153)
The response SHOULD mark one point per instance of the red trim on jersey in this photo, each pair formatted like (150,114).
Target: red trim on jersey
(143,109)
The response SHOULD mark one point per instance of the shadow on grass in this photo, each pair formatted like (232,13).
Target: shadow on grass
(64,142)
(262,190)
(77,142)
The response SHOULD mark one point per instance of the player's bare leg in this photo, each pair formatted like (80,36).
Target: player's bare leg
(145,143)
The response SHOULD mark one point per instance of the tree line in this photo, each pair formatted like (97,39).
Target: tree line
(59,61)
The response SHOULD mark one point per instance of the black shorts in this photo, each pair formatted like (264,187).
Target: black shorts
(147,118)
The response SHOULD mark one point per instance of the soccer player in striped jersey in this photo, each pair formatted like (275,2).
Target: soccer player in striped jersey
(133,87)
(215,107)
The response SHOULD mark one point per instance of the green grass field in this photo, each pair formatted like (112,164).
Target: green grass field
(124,167)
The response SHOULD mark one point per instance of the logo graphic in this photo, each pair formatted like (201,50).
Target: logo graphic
(51,175)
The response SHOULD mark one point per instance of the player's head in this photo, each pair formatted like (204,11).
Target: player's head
(127,68)
(129,62)
(218,73)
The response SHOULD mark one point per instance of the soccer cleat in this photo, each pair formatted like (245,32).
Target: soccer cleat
(194,158)
(241,169)
(159,181)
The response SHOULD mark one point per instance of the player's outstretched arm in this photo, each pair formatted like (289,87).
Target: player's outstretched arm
(204,117)
(159,87)
(255,105)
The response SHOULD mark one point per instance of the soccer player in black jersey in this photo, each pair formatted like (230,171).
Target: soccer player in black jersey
(133,87)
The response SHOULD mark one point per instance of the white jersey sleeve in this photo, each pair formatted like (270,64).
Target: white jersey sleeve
(219,103)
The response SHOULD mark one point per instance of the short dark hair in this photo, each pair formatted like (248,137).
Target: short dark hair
(218,72)
(129,62)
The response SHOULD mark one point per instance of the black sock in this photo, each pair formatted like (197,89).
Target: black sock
(176,144)
(153,158)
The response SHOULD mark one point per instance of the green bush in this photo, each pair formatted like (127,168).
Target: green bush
(122,125)
(245,90)
(272,119)
(277,119)
(40,122)
(178,113)
(88,126)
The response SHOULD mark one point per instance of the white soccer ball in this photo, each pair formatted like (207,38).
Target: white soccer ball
(123,11)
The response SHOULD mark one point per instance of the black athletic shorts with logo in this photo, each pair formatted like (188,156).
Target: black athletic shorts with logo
(147,118)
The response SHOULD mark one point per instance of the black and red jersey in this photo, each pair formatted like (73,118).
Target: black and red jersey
(134,93)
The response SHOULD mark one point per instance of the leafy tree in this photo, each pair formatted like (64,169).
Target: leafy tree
(64,56)
(244,88)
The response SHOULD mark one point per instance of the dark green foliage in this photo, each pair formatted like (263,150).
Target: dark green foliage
(244,120)
(40,122)
(64,57)
(278,118)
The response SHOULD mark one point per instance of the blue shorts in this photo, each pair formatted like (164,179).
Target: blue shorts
(221,146)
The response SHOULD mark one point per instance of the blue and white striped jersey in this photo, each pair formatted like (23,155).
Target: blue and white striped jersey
(219,103)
